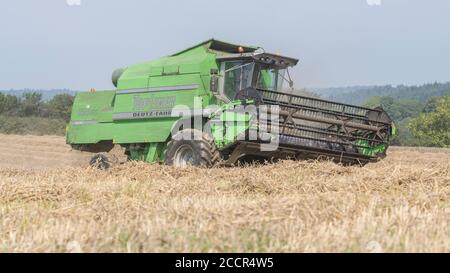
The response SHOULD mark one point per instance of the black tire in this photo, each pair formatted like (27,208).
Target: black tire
(100,161)
(192,147)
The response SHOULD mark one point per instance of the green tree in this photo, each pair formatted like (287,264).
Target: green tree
(9,104)
(431,105)
(31,104)
(433,128)
(398,109)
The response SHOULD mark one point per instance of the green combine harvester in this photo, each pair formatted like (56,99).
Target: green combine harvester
(220,102)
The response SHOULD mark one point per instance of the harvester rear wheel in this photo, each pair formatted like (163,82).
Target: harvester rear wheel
(192,147)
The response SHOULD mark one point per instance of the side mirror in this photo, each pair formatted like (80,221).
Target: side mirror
(214,84)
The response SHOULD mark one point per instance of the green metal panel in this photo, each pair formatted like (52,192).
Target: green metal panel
(228,127)
(144,131)
(89,133)
(195,61)
(96,106)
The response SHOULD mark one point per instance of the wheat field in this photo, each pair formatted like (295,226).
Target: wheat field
(51,202)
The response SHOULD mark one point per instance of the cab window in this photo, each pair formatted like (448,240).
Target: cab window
(237,76)
(270,79)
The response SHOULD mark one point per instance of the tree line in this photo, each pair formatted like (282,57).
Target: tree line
(30,114)
(359,94)
(32,105)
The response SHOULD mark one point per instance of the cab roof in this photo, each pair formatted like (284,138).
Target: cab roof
(221,46)
(230,51)
(263,57)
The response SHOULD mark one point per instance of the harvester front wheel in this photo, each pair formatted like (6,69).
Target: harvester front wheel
(192,147)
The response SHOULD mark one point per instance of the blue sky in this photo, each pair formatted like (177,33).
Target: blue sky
(51,44)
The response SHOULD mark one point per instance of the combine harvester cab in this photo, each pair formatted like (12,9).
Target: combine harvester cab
(219,102)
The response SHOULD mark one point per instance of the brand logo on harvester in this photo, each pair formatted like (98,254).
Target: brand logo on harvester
(151,103)
(73,2)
